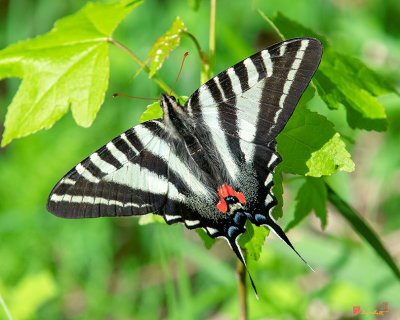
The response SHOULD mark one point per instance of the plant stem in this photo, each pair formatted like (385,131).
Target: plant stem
(211,44)
(271,24)
(3,304)
(161,83)
(241,276)
(201,53)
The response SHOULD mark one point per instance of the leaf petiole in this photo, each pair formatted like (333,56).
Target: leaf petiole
(160,83)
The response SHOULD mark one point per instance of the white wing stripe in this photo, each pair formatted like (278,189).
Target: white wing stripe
(267,62)
(101,164)
(211,231)
(273,158)
(237,89)
(287,86)
(291,75)
(192,223)
(169,217)
(268,199)
(123,137)
(282,50)
(220,142)
(175,164)
(205,97)
(116,153)
(248,121)
(68,181)
(86,173)
(268,180)
(252,73)
(94,200)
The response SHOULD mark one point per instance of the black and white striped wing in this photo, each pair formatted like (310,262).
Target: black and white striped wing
(246,106)
(242,110)
(127,176)
(206,164)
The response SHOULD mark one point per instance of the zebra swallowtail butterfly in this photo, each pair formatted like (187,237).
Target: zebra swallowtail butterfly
(208,163)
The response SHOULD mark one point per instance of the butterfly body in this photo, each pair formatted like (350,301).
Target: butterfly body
(208,163)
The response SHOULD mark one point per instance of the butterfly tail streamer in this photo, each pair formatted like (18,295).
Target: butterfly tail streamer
(281,234)
(235,247)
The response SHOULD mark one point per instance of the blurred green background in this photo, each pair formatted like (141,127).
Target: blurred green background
(52,268)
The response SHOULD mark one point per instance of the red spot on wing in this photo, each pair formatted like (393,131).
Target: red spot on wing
(225,191)
(239,196)
(222,206)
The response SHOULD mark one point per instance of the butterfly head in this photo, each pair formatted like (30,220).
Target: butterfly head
(171,108)
(167,99)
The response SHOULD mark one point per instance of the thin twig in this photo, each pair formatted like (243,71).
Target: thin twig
(3,304)
(197,44)
(241,276)
(211,44)
(161,83)
(271,24)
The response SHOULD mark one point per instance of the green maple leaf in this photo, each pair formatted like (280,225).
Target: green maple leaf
(312,195)
(310,146)
(330,158)
(67,66)
(253,240)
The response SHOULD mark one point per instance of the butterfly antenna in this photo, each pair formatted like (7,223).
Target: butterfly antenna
(183,60)
(124,95)
(235,247)
(279,232)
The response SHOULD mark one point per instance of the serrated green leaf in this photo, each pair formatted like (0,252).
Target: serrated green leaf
(207,240)
(150,218)
(67,66)
(332,157)
(253,240)
(312,195)
(164,44)
(308,137)
(364,111)
(154,110)
(343,80)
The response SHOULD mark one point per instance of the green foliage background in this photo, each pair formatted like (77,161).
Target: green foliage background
(52,268)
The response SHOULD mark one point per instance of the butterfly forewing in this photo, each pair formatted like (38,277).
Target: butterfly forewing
(127,176)
(253,100)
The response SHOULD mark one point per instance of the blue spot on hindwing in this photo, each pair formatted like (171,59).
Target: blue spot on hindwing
(239,218)
(260,218)
(232,231)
